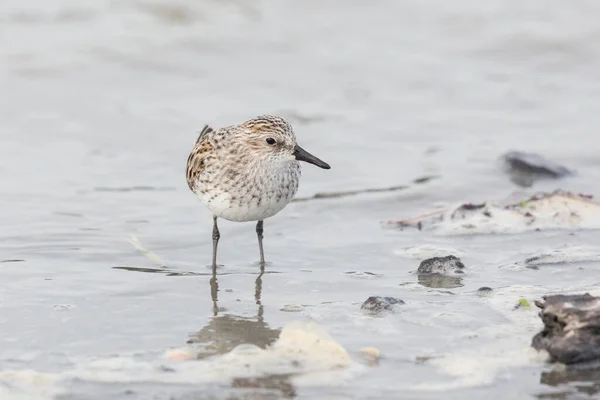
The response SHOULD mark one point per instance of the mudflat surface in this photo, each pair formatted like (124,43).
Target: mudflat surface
(100,104)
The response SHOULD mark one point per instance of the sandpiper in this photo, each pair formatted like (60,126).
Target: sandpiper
(247,172)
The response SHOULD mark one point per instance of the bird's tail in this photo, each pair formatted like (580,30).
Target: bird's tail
(204,131)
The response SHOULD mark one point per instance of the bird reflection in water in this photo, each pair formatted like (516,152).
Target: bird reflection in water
(224,332)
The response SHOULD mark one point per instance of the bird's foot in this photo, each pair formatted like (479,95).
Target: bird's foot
(262,264)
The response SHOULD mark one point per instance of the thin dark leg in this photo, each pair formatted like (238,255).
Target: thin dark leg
(259,233)
(216,236)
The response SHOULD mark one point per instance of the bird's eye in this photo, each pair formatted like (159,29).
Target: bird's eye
(271,140)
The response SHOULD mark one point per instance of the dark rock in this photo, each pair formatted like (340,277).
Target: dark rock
(571,331)
(525,168)
(485,291)
(441,272)
(378,303)
(449,265)
(466,207)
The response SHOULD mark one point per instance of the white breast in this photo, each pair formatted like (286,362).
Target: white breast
(255,199)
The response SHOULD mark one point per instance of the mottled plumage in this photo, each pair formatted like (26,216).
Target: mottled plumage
(247,172)
(195,164)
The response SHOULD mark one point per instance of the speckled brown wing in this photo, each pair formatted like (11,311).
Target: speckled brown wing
(196,161)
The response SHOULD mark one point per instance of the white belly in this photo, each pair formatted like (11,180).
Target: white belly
(261,194)
(241,211)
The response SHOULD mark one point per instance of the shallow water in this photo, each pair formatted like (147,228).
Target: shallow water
(100,105)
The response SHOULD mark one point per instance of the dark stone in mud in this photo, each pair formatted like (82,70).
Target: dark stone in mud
(448,265)
(441,272)
(571,331)
(525,168)
(485,291)
(378,303)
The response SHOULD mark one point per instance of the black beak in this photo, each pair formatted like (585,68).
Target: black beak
(303,155)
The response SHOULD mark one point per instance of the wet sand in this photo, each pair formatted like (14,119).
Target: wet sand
(100,106)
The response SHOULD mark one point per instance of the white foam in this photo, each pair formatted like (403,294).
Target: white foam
(427,251)
(550,211)
(28,385)
(512,351)
(479,367)
(302,350)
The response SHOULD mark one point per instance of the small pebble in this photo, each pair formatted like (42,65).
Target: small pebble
(291,308)
(485,291)
(526,168)
(63,307)
(180,354)
(379,303)
(423,359)
(371,355)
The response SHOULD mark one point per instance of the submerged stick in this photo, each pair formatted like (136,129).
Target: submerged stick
(133,240)
(330,195)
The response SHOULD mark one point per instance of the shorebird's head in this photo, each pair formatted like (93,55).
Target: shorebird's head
(273,138)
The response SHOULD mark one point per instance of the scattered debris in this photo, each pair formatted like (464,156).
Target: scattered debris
(562,256)
(329,195)
(557,210)
(522,303)
(168,271)
(571,331)
(363,275)
(378,303)
(526,168)
(420,360)
(134,241)
(559,257)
